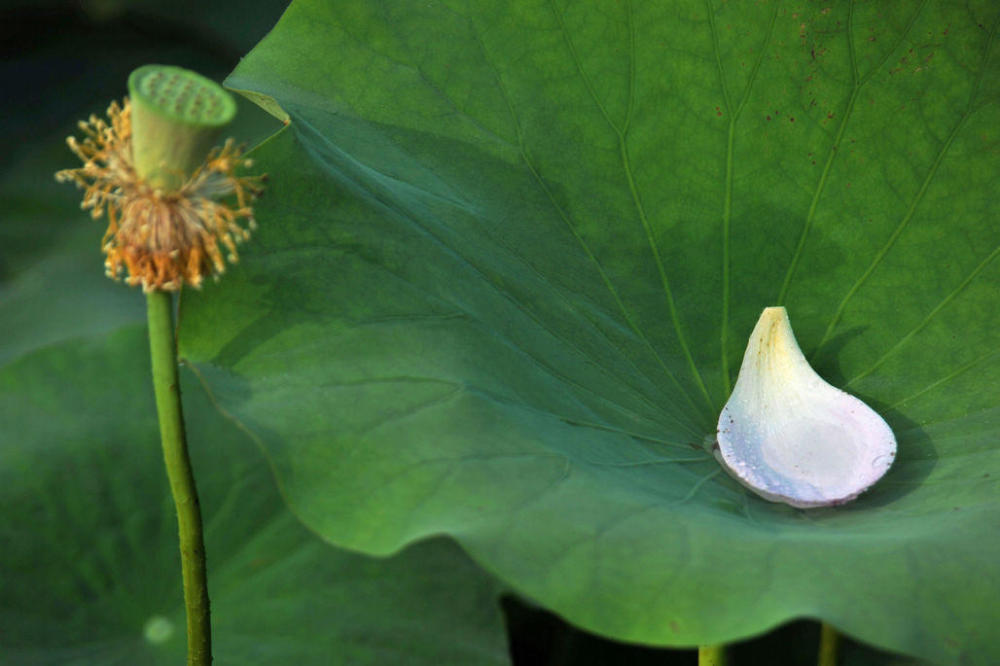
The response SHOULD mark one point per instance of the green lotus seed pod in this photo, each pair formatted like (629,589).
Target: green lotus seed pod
(176,117)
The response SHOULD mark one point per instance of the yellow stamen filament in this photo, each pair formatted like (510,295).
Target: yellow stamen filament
(161,239)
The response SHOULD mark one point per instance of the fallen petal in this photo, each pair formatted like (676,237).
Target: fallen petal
(789,436)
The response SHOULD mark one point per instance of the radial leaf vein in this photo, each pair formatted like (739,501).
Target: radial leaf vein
(701,482)
(637,201)
(631,67)
(962,369)
(564,216)
(924,186)
(466,261)
(920,193)
(727,206)
(857,83)
(930,315)
(579,68)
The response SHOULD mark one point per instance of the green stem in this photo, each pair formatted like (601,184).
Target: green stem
(182,486)
(829,645)
(712,655)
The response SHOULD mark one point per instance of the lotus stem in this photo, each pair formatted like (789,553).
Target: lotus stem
(712,655)
(829,645)
(178,463)
(150,169)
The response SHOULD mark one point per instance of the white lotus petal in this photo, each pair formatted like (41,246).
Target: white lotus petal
(789,436)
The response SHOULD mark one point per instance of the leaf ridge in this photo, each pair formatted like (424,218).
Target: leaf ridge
(918,197)
(540,363)
(976,362)
(727,206)
(419,72)
(857,82)
(579,67)
(522,150)
(697,486)
(620,431)
(607,282)
(637,201)
(564,216)
(663,274)
(930,315)
(630,104)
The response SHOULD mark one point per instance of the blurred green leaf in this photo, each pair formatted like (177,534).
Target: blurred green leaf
(88,540)
(509,258)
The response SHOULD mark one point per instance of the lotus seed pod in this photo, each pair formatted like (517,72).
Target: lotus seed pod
(789,436)
(176,117)
(174,204)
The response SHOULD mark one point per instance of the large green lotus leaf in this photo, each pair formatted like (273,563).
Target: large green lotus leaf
(509,259)
(88,540)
